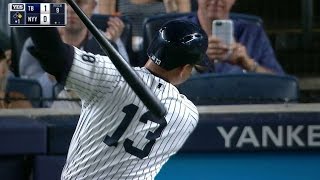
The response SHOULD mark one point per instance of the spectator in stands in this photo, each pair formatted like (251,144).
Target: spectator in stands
(251,52)
(75,33)
(6,48)
(8,98)
(75,29)
(138,10)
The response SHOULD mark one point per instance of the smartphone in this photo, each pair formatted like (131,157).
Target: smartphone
(223,29)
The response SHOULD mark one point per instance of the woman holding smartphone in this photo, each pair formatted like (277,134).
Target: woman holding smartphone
(250,50)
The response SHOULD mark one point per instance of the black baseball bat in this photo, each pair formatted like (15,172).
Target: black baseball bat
(146,96)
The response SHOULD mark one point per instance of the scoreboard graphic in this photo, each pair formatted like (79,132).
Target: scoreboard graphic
(37,14)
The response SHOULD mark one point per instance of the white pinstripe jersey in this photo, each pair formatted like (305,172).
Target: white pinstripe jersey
(116,136)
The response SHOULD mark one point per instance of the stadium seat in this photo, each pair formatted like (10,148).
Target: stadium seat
(248,88)
(29,88)
(101,22)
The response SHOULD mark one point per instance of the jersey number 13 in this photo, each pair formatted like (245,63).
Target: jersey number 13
(130,110)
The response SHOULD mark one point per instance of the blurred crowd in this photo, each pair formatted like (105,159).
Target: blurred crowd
(251,51)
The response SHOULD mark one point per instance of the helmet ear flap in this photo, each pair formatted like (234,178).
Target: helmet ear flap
(177,43)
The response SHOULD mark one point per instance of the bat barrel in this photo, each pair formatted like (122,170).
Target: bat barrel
(145,94)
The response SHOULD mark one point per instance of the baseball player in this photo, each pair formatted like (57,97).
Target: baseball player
(117,137)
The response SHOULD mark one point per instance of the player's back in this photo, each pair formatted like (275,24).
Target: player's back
(122,139)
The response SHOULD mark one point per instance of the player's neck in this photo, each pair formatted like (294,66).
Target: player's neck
(159,72)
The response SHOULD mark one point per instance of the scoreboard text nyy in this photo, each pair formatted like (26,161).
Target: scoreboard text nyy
(37,14)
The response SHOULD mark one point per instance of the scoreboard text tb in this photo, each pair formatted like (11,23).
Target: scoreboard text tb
(37,14)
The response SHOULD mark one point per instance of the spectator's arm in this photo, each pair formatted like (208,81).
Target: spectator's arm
(240,56)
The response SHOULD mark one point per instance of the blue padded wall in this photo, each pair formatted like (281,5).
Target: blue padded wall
(14,168)
(21,135)
(48,167)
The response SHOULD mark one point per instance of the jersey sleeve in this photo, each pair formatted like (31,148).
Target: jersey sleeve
(92,76)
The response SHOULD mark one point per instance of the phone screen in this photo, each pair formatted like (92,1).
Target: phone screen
(223,29)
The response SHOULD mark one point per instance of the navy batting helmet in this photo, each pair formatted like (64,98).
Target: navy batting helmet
(178,42)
